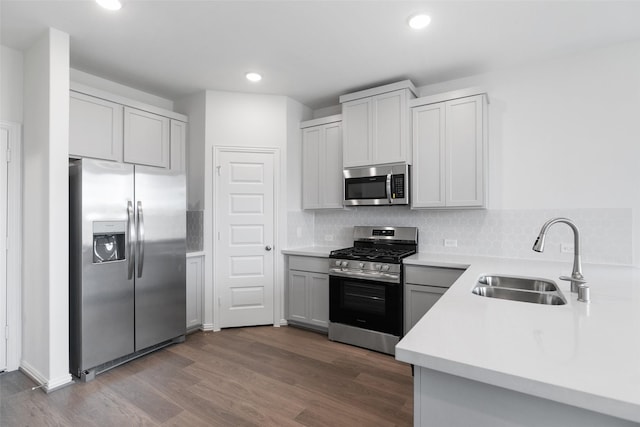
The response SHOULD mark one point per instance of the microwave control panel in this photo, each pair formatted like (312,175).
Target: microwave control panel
(397,187)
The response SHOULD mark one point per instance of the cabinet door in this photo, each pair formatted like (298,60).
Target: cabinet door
(390,133)
(318,294)
(298,296)
(418,299)
(178,145)
(464,156)
(194,292)
(311,141)
(331,190)
(428,173)
(146,138)
(95,127)
(357,127)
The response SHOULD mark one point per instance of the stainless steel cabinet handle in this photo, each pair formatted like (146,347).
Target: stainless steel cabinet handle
(132,238)
(140,239)
(389,187)
(267,248)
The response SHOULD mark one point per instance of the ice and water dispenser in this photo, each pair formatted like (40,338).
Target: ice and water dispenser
(108,241)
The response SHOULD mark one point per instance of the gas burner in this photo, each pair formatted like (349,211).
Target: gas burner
(386,254)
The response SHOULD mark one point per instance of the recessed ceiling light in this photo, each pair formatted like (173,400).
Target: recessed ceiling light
(110,4)
(253,77)
(419,21)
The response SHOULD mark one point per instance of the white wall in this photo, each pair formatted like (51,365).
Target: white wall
(195,108)
(300,229)
(11,72)
(244,120)
(565,133)
(296,113)
(327,111)
(45,353)
(96,82)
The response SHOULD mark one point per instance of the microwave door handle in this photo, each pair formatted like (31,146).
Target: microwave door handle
(389,187)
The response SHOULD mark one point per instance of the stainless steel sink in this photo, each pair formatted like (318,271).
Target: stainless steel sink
(513,282)
(515,288)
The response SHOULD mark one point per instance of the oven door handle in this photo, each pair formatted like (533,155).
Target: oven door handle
(364,296)
(389,187)
(393,279)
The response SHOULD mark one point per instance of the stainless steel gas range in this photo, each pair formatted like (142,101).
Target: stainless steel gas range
(365,287)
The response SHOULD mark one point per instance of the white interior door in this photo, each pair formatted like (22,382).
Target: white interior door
(244,256)
(4,145)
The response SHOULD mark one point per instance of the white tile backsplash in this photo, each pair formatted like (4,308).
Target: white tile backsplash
(300,226)
(605,233)
(194,230)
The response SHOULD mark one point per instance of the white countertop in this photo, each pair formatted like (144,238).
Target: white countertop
(317,251)
(582,354)
(193,254)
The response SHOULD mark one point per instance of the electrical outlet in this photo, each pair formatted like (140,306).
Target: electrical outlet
(566,248)
(328,237)
(450,243)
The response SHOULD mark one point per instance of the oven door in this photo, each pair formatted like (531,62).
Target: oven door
(366,304)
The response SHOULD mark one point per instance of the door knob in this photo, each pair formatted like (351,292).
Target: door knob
(268,247)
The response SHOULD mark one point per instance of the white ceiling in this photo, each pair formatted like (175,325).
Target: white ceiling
(312,51)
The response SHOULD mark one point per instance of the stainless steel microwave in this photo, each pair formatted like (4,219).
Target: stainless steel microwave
(377,185)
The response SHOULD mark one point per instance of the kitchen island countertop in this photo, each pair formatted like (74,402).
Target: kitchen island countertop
(581,354)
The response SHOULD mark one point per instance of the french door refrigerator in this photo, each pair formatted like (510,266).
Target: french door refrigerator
(127,262)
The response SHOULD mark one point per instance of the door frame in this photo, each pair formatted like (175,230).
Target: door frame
(14,245)
(278,259)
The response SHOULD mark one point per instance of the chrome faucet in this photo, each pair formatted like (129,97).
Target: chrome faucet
(576,279)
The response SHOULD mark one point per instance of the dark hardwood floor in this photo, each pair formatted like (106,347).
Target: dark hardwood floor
(256,376)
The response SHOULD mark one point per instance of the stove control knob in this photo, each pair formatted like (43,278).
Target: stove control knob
(385,267)
(377,267)
(337,263)
(361,265)
(345,263)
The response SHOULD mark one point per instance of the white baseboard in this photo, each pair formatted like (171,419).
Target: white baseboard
(58,383)
(207,327)
(47,385)
(33,373)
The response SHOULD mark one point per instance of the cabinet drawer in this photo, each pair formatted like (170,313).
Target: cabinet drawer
(431,276)
(313,264)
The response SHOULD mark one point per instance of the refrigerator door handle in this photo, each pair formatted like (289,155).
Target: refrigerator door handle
(131,242)
(140,239)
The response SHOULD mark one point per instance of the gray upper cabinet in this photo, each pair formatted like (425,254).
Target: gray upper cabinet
(146,138)
(322,163)
(358,130)
(110,127)
(376,125)
(178,145)
(95,127)
(450,153)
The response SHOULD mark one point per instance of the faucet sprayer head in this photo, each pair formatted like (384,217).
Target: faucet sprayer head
(538,246)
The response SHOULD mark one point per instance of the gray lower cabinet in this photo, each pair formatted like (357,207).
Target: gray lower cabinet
(308,292)
(423,287)
(195,279)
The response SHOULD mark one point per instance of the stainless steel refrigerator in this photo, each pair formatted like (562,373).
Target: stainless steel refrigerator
(127,262)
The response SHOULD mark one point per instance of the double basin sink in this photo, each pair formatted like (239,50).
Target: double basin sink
(514,288)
